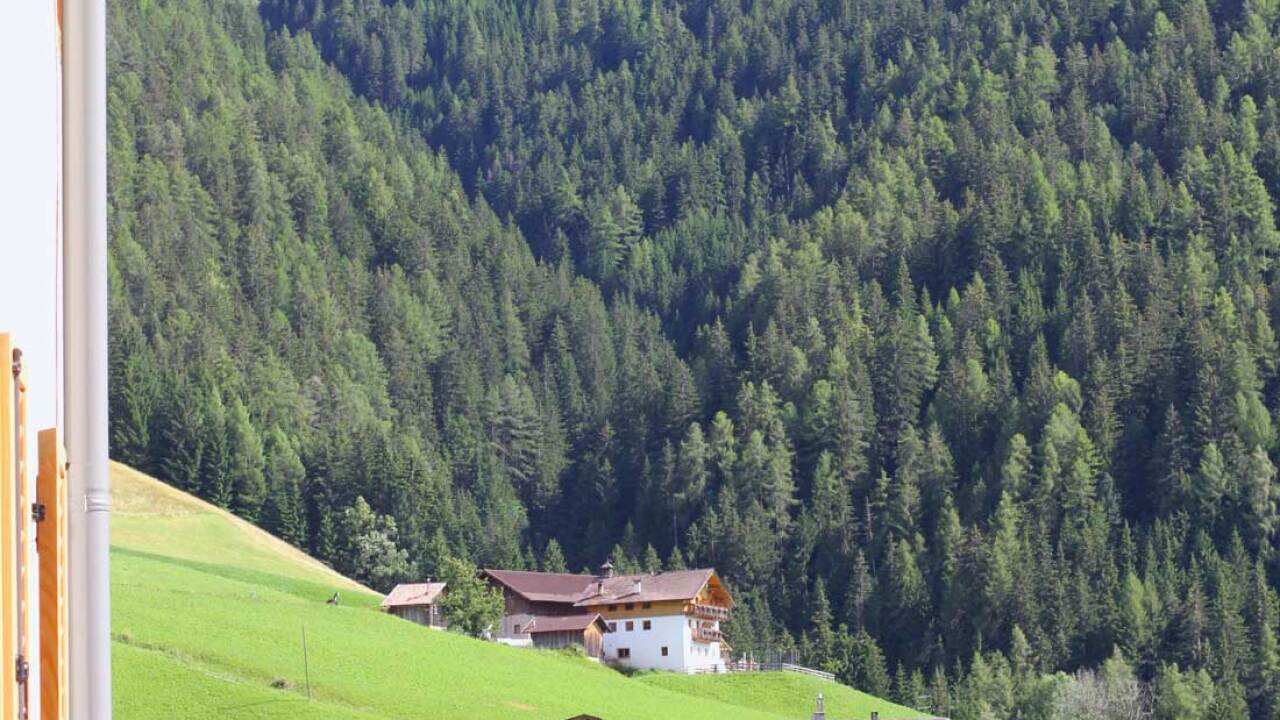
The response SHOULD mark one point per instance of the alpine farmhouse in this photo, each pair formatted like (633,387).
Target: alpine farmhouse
(661,621)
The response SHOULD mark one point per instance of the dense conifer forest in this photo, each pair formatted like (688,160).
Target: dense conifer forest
(945,330)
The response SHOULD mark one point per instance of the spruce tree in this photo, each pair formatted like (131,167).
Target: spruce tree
(553,558)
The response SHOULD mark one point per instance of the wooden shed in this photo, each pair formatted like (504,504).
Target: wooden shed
(561,631)
(417,602)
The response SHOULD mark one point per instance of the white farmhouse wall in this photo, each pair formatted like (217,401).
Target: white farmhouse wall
(671,631)
(701,656)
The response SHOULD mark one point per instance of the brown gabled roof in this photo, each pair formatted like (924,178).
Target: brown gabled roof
(409,594)
(657,587)
(542,587)
(583,590)
(565,623)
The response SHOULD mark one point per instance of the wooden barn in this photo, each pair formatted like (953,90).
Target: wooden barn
(417,602)
(586,630)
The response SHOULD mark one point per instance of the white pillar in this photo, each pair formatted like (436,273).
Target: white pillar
(84,147)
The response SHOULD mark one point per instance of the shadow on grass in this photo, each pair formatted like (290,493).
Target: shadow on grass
(304,589)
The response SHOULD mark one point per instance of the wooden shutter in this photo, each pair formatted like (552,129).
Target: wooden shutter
(8,531)
(51,544)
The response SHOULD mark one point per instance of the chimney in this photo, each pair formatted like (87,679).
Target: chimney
(637,586)
(606,570)
(821,714)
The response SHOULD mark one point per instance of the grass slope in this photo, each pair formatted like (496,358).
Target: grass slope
(779,693)
(208,615)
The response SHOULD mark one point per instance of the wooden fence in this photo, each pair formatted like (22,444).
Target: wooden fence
(33,554)
(773,662)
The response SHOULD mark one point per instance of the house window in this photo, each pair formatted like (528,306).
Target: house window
(613,607)
(624,653)
(631,606)
(664,651)
(516,630)
(613,627)
(630,626)
(648,625)
(646,606)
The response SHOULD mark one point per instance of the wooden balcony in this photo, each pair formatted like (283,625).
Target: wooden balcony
(708,612)
(707,635)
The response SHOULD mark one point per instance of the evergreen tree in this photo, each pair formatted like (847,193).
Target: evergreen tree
(184,446)
(553,558)
(246,461)
(283,511)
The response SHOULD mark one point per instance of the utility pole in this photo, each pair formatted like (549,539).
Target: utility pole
(306,665)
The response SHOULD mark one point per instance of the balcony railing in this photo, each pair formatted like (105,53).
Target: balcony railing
(709,612)
(707,635)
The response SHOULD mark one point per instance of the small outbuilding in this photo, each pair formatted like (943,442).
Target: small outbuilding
(417,602)
(561,631)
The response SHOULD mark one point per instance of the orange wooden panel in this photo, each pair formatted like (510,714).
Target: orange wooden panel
(51,543)
(8,534)
(26,535)
(638,610)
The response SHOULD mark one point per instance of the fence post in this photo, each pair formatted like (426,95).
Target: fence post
(306,664)
(51,546)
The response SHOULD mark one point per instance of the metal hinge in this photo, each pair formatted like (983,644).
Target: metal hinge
(24,674)
(37,512)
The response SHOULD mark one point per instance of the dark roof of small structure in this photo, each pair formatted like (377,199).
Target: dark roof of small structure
(565,623)
(410,594)
(582,590)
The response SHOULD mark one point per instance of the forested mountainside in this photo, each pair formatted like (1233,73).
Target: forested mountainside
(945,331)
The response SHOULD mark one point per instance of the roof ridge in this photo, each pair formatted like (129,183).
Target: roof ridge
(538,572)
(664,572)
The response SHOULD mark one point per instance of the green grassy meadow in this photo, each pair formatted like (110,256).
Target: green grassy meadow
(779,693)
(208,622)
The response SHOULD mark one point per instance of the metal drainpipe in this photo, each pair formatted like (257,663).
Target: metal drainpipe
(84,217)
